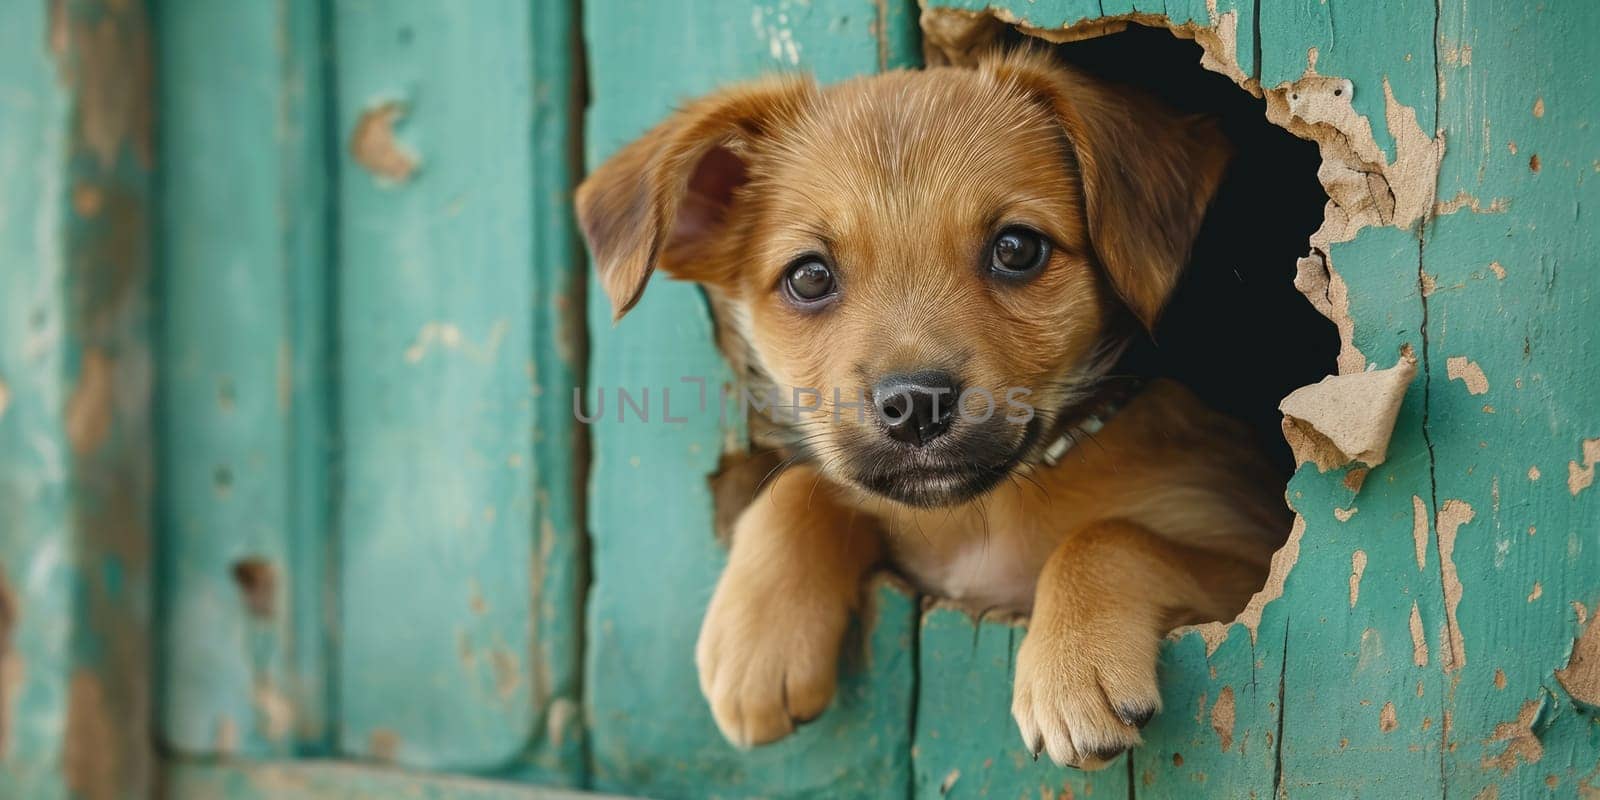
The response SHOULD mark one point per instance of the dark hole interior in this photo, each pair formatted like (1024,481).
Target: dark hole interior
(1237,332)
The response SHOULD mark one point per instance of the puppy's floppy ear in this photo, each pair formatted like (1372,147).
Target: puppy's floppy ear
(1147,173)
(651,203)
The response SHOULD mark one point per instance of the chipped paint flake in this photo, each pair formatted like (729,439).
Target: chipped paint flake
(1344,514)
(373,144)
(1536,592)
(1282,562)
(5,398)
(1419,640)
(1582,477)
(1581,676)
(1387,719)
(89,409)
(1419,530)
(1222,717)
(274,712)
(1522,746)
(90,755)
(383,744)
(1460,368)
(1346,418)
(1452,516)
(1358,565)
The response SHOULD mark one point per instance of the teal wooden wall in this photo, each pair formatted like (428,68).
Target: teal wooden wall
(291,310)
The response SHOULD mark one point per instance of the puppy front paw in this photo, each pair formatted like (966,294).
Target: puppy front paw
(1082,695)
(767,661)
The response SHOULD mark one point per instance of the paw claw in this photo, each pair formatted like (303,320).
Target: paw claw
(1135,716)
(1083,698)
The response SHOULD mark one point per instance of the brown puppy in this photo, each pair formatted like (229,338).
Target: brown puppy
(939,244)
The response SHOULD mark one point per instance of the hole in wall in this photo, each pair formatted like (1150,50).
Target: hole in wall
(1236,331)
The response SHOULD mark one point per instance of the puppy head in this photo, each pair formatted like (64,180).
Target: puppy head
(927,262)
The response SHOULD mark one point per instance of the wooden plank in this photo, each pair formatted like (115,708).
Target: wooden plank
(439,511)
(75,373)
(333,780)
(966,742)
(1511,366)
(653,571)
(244,436)
(36,576)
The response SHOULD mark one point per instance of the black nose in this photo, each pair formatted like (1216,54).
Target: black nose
(918,407)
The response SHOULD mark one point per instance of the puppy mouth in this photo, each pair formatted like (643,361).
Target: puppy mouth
(931,482)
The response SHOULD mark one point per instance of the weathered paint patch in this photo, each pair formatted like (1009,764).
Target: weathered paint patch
(1522,746)
(1452,516)
(274,712)
(1358,565)
(373,144)
(89,758)
(1419,640)
(1580,477)
(257,580)
(89,408)
(1461,368)
(1581,676)
(1222,717)
(107,59)
(5,397)
(1387,719)
(1346,418)
(1419,530)
(383,744)
(1282,562)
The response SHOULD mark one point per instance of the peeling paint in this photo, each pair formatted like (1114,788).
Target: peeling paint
(1581,676)
(5,398)
(373,145)
(447,336)
(1344,514)
(949,781)
(1387,719)
(1329,295)
(1522,746)
(1462,200)
(1452,516)
(1358,565)
(1460,368)
(90,753)
(383,744)
(1346,418)
(89,408)
(1419,530)
(274,712)
(257,580)
(1419,641)
(561,716)
(1582,477)
(1537,592)
(507,677)
(1222,717)
(107,59)
(1282,562)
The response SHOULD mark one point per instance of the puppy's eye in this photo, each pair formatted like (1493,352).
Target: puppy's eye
(809,280)
(1018,252)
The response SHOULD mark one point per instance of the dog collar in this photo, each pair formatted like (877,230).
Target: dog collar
(1087,418)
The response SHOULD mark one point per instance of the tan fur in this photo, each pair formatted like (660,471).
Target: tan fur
(1166,516)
